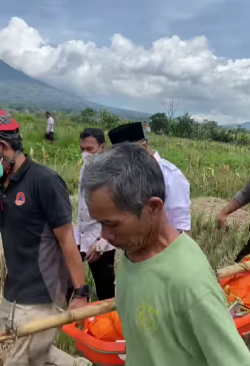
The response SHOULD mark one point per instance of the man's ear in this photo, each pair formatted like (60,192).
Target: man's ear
(3,146)
(155,204)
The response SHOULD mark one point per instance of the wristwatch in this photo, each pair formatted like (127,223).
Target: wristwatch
(83,291)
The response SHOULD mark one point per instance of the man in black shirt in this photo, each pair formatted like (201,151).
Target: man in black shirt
(39,248)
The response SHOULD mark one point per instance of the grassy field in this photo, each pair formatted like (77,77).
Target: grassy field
(213,170)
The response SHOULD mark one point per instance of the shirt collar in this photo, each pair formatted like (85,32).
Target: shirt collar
(157,157)
(22,170)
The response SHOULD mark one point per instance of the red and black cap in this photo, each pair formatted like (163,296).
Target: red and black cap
(9,128)
(131,132)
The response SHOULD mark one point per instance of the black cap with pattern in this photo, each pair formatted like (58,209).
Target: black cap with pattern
(131,132)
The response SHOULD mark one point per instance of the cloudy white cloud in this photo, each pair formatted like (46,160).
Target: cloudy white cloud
(186,70)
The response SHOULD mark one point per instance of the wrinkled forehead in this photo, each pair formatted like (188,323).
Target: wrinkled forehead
(101,205)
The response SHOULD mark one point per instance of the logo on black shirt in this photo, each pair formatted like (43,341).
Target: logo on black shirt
(20,199)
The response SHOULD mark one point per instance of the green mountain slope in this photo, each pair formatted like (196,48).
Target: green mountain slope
(20,90)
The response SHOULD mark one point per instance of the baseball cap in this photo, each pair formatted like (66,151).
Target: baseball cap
(9,128)
(131,132)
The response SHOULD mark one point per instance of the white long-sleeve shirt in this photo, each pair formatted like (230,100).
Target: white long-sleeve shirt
(177,187)
(88,229)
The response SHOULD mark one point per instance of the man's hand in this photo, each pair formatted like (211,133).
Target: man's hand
(78,303)
(221,220)
(92,254)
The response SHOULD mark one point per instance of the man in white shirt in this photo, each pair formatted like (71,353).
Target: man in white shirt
(49,135)
(98,252)
(177,204)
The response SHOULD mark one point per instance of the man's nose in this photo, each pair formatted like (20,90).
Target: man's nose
(107,233)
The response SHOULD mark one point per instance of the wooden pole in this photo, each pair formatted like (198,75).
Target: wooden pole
(90,311)
(67,317)
(233,270)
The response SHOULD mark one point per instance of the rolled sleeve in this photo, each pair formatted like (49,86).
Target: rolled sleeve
(55,201)
(177,205)
(243,196)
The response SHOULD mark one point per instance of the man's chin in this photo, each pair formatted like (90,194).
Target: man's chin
(118,246)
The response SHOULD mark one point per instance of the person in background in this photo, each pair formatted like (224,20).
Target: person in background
(39,249)
(145,131)
(172,308)
(49,135)
(241,199)
(177,204)
(97,251)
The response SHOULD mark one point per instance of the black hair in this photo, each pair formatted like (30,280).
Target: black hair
(47,112)
(97,133)
(14,142)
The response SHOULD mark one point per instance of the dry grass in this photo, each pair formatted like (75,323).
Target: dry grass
(209,207)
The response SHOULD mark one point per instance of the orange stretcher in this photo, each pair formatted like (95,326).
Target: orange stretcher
(102,342)
(237,292)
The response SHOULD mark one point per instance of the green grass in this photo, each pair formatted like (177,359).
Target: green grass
(213,169)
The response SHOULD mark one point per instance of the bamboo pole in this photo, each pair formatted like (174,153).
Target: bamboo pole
(233,270)
(90,311)
(63,318)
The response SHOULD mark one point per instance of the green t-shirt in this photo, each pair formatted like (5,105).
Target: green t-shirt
(174,313)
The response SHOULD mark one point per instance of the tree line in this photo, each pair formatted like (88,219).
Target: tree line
(165,123)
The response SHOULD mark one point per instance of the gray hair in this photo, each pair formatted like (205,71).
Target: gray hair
(129,172)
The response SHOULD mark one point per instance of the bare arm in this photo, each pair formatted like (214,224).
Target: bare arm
(231,207)
(241,199)
(71,254)
(55,202)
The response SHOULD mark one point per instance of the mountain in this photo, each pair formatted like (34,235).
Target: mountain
(19,90)
(245,125)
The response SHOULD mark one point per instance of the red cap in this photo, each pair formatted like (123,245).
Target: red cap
(7,123)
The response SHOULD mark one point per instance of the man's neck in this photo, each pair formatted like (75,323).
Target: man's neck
(156,244)
(20,159)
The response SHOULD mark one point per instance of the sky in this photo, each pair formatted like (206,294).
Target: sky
(137,54)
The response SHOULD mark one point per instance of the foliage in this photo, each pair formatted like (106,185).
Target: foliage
(186,127)
(108,120)
(160,122)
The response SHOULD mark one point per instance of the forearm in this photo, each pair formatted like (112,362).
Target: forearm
(231,207)
(71,254)
(74,263)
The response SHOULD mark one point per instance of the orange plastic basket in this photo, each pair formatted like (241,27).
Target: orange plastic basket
(240,286)
(96,350)
(243,325)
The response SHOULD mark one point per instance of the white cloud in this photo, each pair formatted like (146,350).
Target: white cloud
(186,70)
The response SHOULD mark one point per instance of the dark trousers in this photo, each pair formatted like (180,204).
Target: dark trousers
(103,272)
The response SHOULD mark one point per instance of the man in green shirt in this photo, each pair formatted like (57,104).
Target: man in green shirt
(172,309)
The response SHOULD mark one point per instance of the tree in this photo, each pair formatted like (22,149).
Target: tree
(88,115)
(185,126)
(170,108)
(108,120)
(158,122)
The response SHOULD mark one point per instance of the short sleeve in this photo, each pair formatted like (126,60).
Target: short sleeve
(54,199)
(210,323)
(243,196)
(177,205)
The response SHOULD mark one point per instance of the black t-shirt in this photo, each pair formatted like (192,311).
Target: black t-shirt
(35,202)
